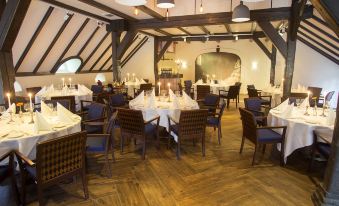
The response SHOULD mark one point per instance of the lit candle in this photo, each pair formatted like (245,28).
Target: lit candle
(133,76)
(282,83)
(169,86)
(30,101)
(159,83)
(70,82)
(213,76)
(127,76)
(9,101)
(63,82)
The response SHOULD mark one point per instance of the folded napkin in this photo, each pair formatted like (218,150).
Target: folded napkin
(138,101)
(142,81)
(189,101)
(199,81)
(288,112)
(330,119)
(65,89)
(305,103)
(151,100)
(41,92)
(85,89)
(282,107)
(46,110)
(11,108)
(64,114)
(40,123)
(174,99)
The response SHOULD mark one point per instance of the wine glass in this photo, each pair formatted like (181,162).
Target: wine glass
(2,109)
(26,107)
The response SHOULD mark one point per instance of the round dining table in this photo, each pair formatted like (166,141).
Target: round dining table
(300,127)
(19,134)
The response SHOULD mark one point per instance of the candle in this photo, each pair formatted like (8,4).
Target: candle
(127,76)
(30,101)
(213,76)
(63,82)
(70,82)
(9,101)
(169,86)
(159,83)
(133,76)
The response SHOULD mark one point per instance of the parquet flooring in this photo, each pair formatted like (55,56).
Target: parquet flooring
(223,177)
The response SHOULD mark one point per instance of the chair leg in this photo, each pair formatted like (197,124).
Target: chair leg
(236,104)
(122,144)
(178,149)
(112,148)
(203,145)
(242,144)
(219,134)
(282,160)
(144,149)
(263,148)
(23,187)
(40,196)
(84,183)
(169,142)
(255,152)
(228,103)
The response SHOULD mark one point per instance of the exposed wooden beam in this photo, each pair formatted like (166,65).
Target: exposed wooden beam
(273,64)
(134,51)
(155,61)
(7,74)
(51,45)
(163,32)
(2,7)
(204,29)
(88,41)
(34,37)
(93,52)
(104,64)
(11,21)
(321,31)
(163,50)
(228,28)
(125,43)
(146,33)
(216,18)
(25,74)
(262,47)
(100,57)
(76,10)
(327,16)
(70,44)
(296,16)
(107,9)
(320,21)
(116,35)
(150,12)
(184,31)
(273,35)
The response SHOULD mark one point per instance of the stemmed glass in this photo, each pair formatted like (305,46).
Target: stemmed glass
(2,110)
(26,107)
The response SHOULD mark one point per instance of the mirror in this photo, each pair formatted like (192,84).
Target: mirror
(70,65)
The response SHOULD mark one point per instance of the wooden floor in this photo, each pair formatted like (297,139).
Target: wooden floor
(223,177)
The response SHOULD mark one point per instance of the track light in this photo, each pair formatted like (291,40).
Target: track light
(236,37)
(136,11)
(167,13)
(201,8)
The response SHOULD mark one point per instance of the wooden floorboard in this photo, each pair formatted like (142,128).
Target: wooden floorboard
(223,177)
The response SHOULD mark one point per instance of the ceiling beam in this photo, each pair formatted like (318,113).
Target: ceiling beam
(70,44)
(11,20)
(205,30)
(163,32)
(273,35)
(104,64)
(51,45)
(216,18)
(125,43)
(262,47)
(76,10)
(228,28)
(321,30)
(108,9)
(296,15)
(88,41)
(134,51)
(146,33)
(184,31)
(150,12)
(100,57)
(327,16)
(25,74)
(33,38)
(2,6)
(163,50)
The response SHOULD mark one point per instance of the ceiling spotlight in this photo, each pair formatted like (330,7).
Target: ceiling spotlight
(165,4)
(207,38)
(236,37)
(136,11)
(241,13)
(131,2)
(201,8)
(184,39)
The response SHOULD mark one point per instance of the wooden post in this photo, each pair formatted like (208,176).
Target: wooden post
(273,63)
(115,61)
(7,75)
(156,69)
(328,192)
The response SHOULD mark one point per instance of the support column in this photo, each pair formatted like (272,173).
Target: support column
(7,75)
(327,194)
(273,63)
(156,68)
(116,63)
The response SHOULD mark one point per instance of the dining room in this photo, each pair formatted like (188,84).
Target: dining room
(164,102)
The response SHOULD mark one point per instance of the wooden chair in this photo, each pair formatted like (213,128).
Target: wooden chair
(210,102)
(56,160)
(214,120)
(71,100)
(143,87)
(260,135)
(202,91)
(96,113)
(191,125)
(232,93)
(253,93)
(96,89)
(295,97)
(322,139)
(117,101)
(238,84)
(132,125)
(259,111)
(103,143)
(188,88)
(327,98)
(315,95)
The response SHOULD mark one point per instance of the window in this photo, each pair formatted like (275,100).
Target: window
(100,77)
(70,65)
(17,87)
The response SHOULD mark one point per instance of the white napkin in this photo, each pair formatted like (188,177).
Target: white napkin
(305,103)
(85,89)
(142,81)
(138,101)
(41,92)
(282,106)
(65,89)
(137,80)
(288,112)
(330,119)
(46,110)
(174,99)
(40,123)
(12,107)
(189,101)
(151,100)
(199,81)
(64,114)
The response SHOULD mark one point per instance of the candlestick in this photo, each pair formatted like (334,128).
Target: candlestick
(169,88)
(9,101)
(70,82)
(127,76)
(30,101)
(159,84)
(133,76)
(63,82)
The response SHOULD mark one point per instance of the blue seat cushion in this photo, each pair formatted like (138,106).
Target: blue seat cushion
(91,129)
(213,121)
(324,149)
(150,128)
(174,128)
(95,144)
(31,171)
(268,135)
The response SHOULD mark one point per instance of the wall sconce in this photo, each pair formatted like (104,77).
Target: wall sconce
(254,65)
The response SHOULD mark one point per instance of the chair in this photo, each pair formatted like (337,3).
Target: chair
(315,95)
(71,100)
(64,102)
(191,125)
(260,135)
(117,101)
(202,91)
(132,125)
(56,160)
(250,86)
(238,84)
(96,113)
(322,147)
(33,91)
(254,105)
(103,143)
(327,98)
(96,89)
(143,87)
(254,93)
(214,120)
(210,102)
(294,98)
(188,88)
(232,93)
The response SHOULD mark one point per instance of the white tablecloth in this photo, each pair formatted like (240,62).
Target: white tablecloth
(299,127)
(214,88)
(276,94)
(23,137)
(79,95)
(131,86)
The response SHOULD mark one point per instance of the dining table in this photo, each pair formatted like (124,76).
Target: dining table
(277,94)
(215,87)
(19,133)
(300,125)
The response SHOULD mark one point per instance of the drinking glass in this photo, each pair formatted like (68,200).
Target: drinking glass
(2,109)
(26,107)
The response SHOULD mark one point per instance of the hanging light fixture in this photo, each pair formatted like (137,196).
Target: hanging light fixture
(165,4)
(201,8)
(136,11)
(131,2)
(241,13)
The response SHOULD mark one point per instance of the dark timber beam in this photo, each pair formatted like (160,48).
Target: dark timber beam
(116,35)
(25,74)
(155,61)
(321,30)
(273,64)
(88,41)
(163,50)
(262,47)
(327,16)
(77,10)
(2,6)
(204,29)
(125,43)
(107,9)
(105,63)
(55,39)
(163,32)
(93,52)
(70,44)
(273,35)
(297,13)
(150,12)
(134,51)
(184,31)
(228,28)
(274,14)
(100,57)
(34,37)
